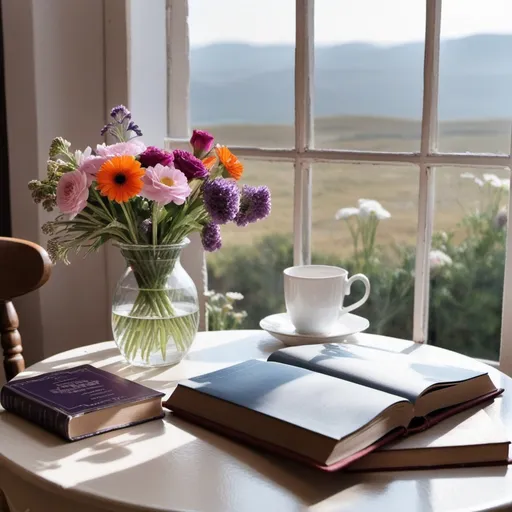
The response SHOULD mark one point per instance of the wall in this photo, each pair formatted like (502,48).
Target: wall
(55,85)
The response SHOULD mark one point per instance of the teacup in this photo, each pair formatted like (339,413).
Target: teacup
(314,296)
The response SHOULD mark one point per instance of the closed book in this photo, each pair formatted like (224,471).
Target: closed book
(81,401)
(469,438)
(331,405)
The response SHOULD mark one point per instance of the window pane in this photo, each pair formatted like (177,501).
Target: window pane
(383,249)
(368,74)
(475,80)
(242,66)
(467,261)
(253,258)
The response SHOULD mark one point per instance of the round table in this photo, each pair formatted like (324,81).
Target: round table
(172,465)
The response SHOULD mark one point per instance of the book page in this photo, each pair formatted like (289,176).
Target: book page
(394,373)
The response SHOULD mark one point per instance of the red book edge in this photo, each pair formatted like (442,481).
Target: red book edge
(391,436)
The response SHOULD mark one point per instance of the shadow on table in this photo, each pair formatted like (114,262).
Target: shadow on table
(251,346)
(50,450)
(225,471)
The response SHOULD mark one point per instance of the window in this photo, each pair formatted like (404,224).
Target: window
(411,148)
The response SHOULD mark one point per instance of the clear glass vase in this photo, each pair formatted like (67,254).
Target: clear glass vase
(155,311)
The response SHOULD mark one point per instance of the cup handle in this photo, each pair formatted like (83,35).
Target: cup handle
(350,281)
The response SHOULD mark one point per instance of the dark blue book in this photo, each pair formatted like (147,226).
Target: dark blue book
(81,402)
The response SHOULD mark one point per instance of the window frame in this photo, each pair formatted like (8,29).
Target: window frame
(304,154)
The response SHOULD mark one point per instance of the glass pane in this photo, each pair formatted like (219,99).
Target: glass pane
(369,74)
(475,80)
(467,261)
(242,65)
(382,249)
(253,258)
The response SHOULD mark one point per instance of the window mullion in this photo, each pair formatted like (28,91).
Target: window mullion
(178,71)
(505,357)
(304,82)
(427,172)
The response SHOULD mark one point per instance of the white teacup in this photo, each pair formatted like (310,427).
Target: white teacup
(314,296)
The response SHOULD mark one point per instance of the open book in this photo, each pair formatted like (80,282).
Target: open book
(329,405)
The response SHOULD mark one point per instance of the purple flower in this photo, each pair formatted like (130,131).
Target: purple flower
(132,127)
(202,142)
(221,200)
(189,165)
(122,125)
(153,156)
(254,205)
(210,236)
(120,113)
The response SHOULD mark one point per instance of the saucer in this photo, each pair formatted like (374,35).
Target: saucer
(281,327)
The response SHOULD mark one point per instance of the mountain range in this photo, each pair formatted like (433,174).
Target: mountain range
(245,84)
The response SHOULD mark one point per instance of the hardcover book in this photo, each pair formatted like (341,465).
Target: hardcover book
(330,405)
(81,401)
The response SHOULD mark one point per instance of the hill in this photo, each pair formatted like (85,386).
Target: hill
(240,83)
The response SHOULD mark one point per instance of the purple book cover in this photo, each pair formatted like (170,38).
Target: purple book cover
(81,390)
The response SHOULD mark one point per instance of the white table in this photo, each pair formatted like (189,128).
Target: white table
(174,466)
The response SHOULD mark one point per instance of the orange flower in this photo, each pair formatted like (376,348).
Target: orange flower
(120,178)
(209,161)
(230,162)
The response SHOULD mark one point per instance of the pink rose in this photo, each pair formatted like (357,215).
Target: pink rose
(130,148)
(165,184)
(72,192)
(202,142)
(91,165)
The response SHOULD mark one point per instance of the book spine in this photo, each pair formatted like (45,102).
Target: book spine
(50,419)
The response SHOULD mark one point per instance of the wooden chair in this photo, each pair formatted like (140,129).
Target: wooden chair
(24,267)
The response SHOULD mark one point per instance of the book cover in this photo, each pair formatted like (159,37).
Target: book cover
(53,399)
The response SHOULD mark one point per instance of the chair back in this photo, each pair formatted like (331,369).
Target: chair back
(24,267)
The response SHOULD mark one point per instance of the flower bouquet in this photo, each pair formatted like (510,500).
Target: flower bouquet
(147,200)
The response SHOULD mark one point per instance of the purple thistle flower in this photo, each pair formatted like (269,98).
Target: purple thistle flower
(255,205)
(153,156)
(210,236)
(221,200)
(189,165)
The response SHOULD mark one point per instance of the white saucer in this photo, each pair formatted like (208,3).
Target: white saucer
(281,327)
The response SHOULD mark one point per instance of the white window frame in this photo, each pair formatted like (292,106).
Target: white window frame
(303,155)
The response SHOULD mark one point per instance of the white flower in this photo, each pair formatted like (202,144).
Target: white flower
(209,293)
(505,184)
(369,206)
(346,213)
(467,175)
(479,182)
(234,296)
(80,156)
(493,180)
(438,259)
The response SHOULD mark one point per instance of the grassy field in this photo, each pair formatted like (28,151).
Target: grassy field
(336,186)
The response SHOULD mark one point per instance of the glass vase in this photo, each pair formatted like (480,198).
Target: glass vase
(155,309)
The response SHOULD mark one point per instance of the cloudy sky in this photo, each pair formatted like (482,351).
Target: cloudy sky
(339,21)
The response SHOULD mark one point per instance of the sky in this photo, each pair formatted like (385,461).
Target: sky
(341,21)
